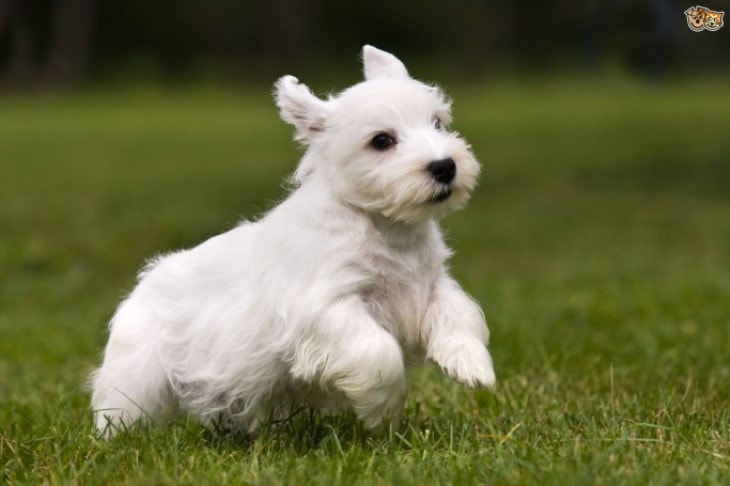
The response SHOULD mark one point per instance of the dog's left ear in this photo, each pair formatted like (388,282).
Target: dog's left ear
(381,64)
(299,107)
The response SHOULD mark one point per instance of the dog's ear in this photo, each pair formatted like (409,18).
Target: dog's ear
(299,107)
(381,64)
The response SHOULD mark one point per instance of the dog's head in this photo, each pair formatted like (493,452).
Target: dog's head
(382,144)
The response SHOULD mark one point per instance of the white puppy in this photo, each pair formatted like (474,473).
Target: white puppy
(324,300)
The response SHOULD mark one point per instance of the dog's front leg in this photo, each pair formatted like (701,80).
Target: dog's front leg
(351,351)
(455,335)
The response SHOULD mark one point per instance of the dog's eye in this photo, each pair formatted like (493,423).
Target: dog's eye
(437,122)
(382,141)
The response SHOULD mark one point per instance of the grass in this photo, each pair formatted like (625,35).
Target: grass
(597,244)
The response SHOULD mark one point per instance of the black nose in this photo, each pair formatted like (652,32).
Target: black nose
(442,170)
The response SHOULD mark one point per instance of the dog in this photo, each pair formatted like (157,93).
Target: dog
(325,299)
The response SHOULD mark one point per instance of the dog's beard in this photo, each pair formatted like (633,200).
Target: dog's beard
(432,201)
(441,194)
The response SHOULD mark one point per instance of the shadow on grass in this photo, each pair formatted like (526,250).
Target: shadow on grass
(305,431)
(310,431)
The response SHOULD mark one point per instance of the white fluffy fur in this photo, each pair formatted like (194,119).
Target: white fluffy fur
(325,299)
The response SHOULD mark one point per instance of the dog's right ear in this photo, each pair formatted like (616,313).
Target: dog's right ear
(381,64)
(299,107)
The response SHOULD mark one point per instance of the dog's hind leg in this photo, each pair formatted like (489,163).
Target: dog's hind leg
(131,386)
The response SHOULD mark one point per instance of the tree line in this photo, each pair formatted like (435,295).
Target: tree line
(61,42)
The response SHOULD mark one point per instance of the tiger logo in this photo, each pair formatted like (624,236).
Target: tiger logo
(701,18)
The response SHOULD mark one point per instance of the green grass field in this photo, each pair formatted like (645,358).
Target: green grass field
(598,244)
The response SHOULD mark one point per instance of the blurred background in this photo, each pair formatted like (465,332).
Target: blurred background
(597,239)
(66,42)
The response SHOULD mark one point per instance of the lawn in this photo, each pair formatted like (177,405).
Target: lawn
(598,244)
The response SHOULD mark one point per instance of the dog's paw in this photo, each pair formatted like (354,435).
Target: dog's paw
(467,362)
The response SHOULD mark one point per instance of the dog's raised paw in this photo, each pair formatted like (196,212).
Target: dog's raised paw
(470,364)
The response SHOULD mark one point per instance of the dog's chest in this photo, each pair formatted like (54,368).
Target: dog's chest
(398,288)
